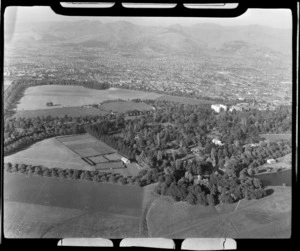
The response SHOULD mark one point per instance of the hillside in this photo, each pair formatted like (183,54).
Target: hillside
(199,39)
(269,217)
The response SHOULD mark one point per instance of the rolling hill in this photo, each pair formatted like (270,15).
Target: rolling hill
(198,39)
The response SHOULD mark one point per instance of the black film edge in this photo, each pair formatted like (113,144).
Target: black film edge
(178,11)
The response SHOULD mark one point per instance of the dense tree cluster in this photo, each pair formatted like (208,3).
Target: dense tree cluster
(212,190)
(20,133)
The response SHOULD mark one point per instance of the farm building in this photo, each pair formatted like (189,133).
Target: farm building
(218,107)
(271,161)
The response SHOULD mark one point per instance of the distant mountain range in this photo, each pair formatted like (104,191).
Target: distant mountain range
(251,40)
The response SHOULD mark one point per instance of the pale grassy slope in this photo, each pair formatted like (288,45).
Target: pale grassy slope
(24,220)
(265,218)
(49,153)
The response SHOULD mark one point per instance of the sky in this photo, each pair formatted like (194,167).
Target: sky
(276,18)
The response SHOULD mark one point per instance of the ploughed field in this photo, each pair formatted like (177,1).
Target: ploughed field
(36,97)
(36,207)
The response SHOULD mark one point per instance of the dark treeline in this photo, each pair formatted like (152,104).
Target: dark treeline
(74,174)
(180,94)
(20,133)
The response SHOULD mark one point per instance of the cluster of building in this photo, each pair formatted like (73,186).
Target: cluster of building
(170,74)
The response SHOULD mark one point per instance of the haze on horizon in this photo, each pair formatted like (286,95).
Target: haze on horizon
(279,18)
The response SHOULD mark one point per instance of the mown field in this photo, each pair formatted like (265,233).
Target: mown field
(186,101)
(60,112)
(121,107)
(284,162)
(49,153)
(36,97)
(276,137)
(36,207)
(85,145)
(54,153)
(269,217)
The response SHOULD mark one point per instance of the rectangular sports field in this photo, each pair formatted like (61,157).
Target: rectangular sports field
(110,165)
(86,145)
(98,159)
(113,156)
(124,106)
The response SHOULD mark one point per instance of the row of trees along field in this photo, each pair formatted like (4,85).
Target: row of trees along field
(95,176)
(20,133)
(178,93)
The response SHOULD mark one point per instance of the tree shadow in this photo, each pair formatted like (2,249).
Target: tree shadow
(269,191)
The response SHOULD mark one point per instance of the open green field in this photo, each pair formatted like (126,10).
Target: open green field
(49,153)
(110,165)
(121,107)
(276,137)
(36,207)
(61,112)
(132,169)
(269,217)
(113,156)
(282,162)
(36,97)
(186,101)
(59,152)
(86,145)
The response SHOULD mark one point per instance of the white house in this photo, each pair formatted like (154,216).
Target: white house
(217,107)
(217,142)
(125,160)
(234,107)
(271,161)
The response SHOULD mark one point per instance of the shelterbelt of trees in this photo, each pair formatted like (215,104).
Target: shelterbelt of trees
(161,142)
(22,132)
(95,176)
(179,93)
(16,91)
